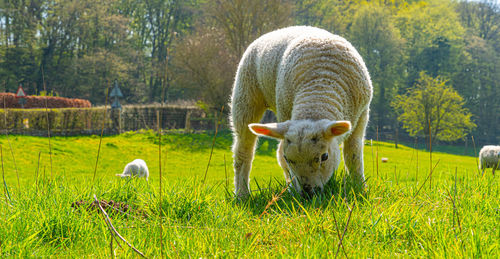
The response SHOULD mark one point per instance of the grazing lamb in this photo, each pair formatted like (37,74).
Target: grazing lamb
(136,168)
(319,88)
(489,157)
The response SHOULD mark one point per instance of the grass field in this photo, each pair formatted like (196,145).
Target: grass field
(454,213)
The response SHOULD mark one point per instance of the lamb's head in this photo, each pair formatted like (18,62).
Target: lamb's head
(308,151)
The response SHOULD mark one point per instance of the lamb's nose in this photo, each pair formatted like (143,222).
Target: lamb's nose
(309,191)
(307,188)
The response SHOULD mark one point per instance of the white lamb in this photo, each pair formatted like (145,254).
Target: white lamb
(489,157)
(319,88)
(136,168)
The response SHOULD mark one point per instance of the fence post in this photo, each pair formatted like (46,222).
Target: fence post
(187,124)
(115,119)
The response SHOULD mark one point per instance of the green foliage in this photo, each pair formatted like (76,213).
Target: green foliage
(168,50)
(378,41)
(433,40)
(477,82)
(432,106)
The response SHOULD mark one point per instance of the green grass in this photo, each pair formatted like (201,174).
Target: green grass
(395,217)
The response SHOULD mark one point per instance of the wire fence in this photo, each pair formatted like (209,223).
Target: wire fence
(88,121)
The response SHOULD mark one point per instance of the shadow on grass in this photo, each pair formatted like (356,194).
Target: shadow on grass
(276,197)
(194,142)
(202,142)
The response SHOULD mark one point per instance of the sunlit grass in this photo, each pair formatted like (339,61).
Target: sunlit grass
(401,214)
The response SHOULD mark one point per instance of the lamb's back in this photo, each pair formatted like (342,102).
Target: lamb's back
(299,66)
(264,56)
(322,76)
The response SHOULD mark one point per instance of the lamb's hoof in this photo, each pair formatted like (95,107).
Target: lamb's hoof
(242,194)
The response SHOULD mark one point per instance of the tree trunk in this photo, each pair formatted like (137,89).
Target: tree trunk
(396,136)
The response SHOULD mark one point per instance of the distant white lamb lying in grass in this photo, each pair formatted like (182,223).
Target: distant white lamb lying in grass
(136,168)
(319,88)
(489,157)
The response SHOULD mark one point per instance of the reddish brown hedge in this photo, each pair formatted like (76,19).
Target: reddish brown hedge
(39,102)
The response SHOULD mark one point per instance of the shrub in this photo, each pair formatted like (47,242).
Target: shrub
(39,102)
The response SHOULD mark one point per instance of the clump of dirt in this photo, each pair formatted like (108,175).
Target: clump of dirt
(111,207)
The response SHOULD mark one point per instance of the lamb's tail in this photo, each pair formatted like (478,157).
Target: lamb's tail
(120,175)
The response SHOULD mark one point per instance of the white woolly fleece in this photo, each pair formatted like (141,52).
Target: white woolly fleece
(489,157)
(301,73)
(137,168)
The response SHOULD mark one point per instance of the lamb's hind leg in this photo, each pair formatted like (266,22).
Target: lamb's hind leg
(247,107)
(353,151)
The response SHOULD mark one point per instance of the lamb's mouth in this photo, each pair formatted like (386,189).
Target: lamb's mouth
(304,189)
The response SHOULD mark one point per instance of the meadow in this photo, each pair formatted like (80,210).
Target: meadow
(47,211)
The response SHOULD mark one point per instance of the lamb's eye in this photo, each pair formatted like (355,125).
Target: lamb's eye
(324,157)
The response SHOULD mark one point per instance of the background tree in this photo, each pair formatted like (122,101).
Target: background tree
(478,81)
(482,18)
(433,107)
(378,41)
(433,35)
(243,21)
(150,45)
(479,78)
(332,15)
(205,67)
(156,23)
(206,60)
(19,20)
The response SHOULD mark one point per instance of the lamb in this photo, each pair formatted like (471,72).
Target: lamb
(135,168)
(489,157)
(319,88)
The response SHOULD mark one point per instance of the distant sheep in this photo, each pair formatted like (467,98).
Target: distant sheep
(319,88)
(489,157)
(136,168)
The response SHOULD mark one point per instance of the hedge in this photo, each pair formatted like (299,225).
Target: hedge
(71,121)
(62,121)
(39,102)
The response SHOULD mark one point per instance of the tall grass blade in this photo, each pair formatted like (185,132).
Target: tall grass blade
(416,153)
(8,141)
(48,122)
(102,132)
(275,199)
(376,155)
(345,229)
(112,228)
(430,174)
(475,154)
(158,119)
(6,189)
(37,171)
(373,158)
(430,153)
(225,172)
(337,228)
(213,144)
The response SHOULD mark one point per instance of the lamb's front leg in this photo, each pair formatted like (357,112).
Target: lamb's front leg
(353,151)
(246,107)
(243,153)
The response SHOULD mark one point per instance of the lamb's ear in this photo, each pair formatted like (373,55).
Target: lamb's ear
(336,128)
(273,130)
